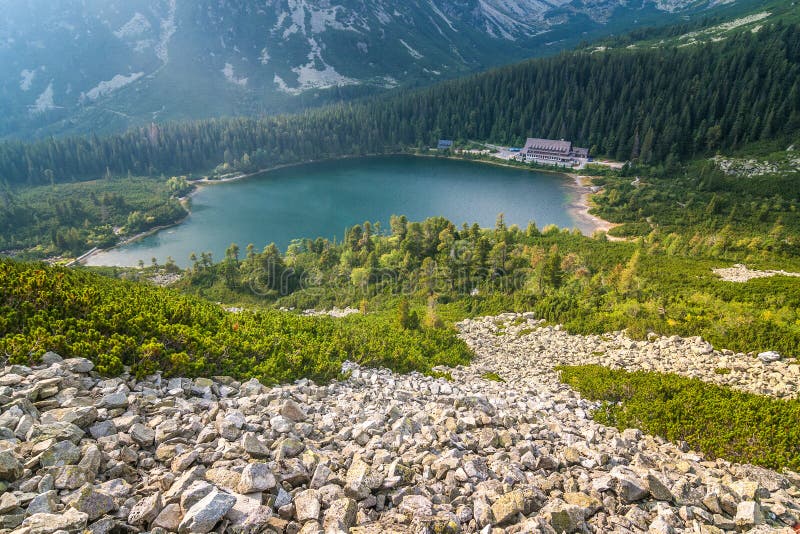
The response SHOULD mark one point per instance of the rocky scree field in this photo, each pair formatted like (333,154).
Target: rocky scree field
(498,446)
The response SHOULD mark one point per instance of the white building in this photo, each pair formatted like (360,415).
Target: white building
(552,152)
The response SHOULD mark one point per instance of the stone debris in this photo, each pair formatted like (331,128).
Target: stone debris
(379,451)
(750,168)
(514,337)
(741,273)
(334,312)
(769,356)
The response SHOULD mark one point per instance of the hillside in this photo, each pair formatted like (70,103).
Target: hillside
(75,67)
(713,27)
(417,377)
(500,444)
(627,104)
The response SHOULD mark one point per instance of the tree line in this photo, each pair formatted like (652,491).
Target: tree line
(661,284)
(655,105)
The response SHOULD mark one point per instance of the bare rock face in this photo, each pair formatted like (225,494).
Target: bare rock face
(379,451)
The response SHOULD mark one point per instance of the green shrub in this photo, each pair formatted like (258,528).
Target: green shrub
(116,323)
(719,421)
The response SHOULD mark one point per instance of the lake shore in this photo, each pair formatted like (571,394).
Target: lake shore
(579,206)
(81,260)
(579,185)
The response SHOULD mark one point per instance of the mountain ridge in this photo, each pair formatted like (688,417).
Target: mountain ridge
(171,60)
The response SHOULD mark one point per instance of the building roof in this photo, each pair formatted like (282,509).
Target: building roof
(548,144)
(445,143)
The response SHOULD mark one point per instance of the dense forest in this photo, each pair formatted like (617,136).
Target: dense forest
(658,105)
(43,221)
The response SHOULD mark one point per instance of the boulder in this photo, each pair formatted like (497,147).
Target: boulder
(356,483)
(658,489)
(102,429)
(588,505)
(92,502)
(77,365)
(142,435)
(49,358)
(72,477)
(256,477)
(341,515)
(288,448)
(59,430)
(506,508)
(416,506)
(182,483)
(195,493)
(281,424)
(167,430)
(255,447)
(291,410)
(169,518)
(10,466)
(307,505)
(246,509)
(60,454)
(748,515)
(114,401)
(563,517)
(224,478)
(769,356)
(8,502)
(146,510)
(70,520)
(206,513)
(43,503)
(628,486)
(80,416)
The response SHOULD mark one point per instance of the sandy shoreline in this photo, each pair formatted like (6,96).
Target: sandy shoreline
(578,207)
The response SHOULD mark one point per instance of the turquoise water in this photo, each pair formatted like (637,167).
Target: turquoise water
(322,199)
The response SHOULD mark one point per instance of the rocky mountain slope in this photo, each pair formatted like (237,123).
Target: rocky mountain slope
(92,65)
(376,452)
